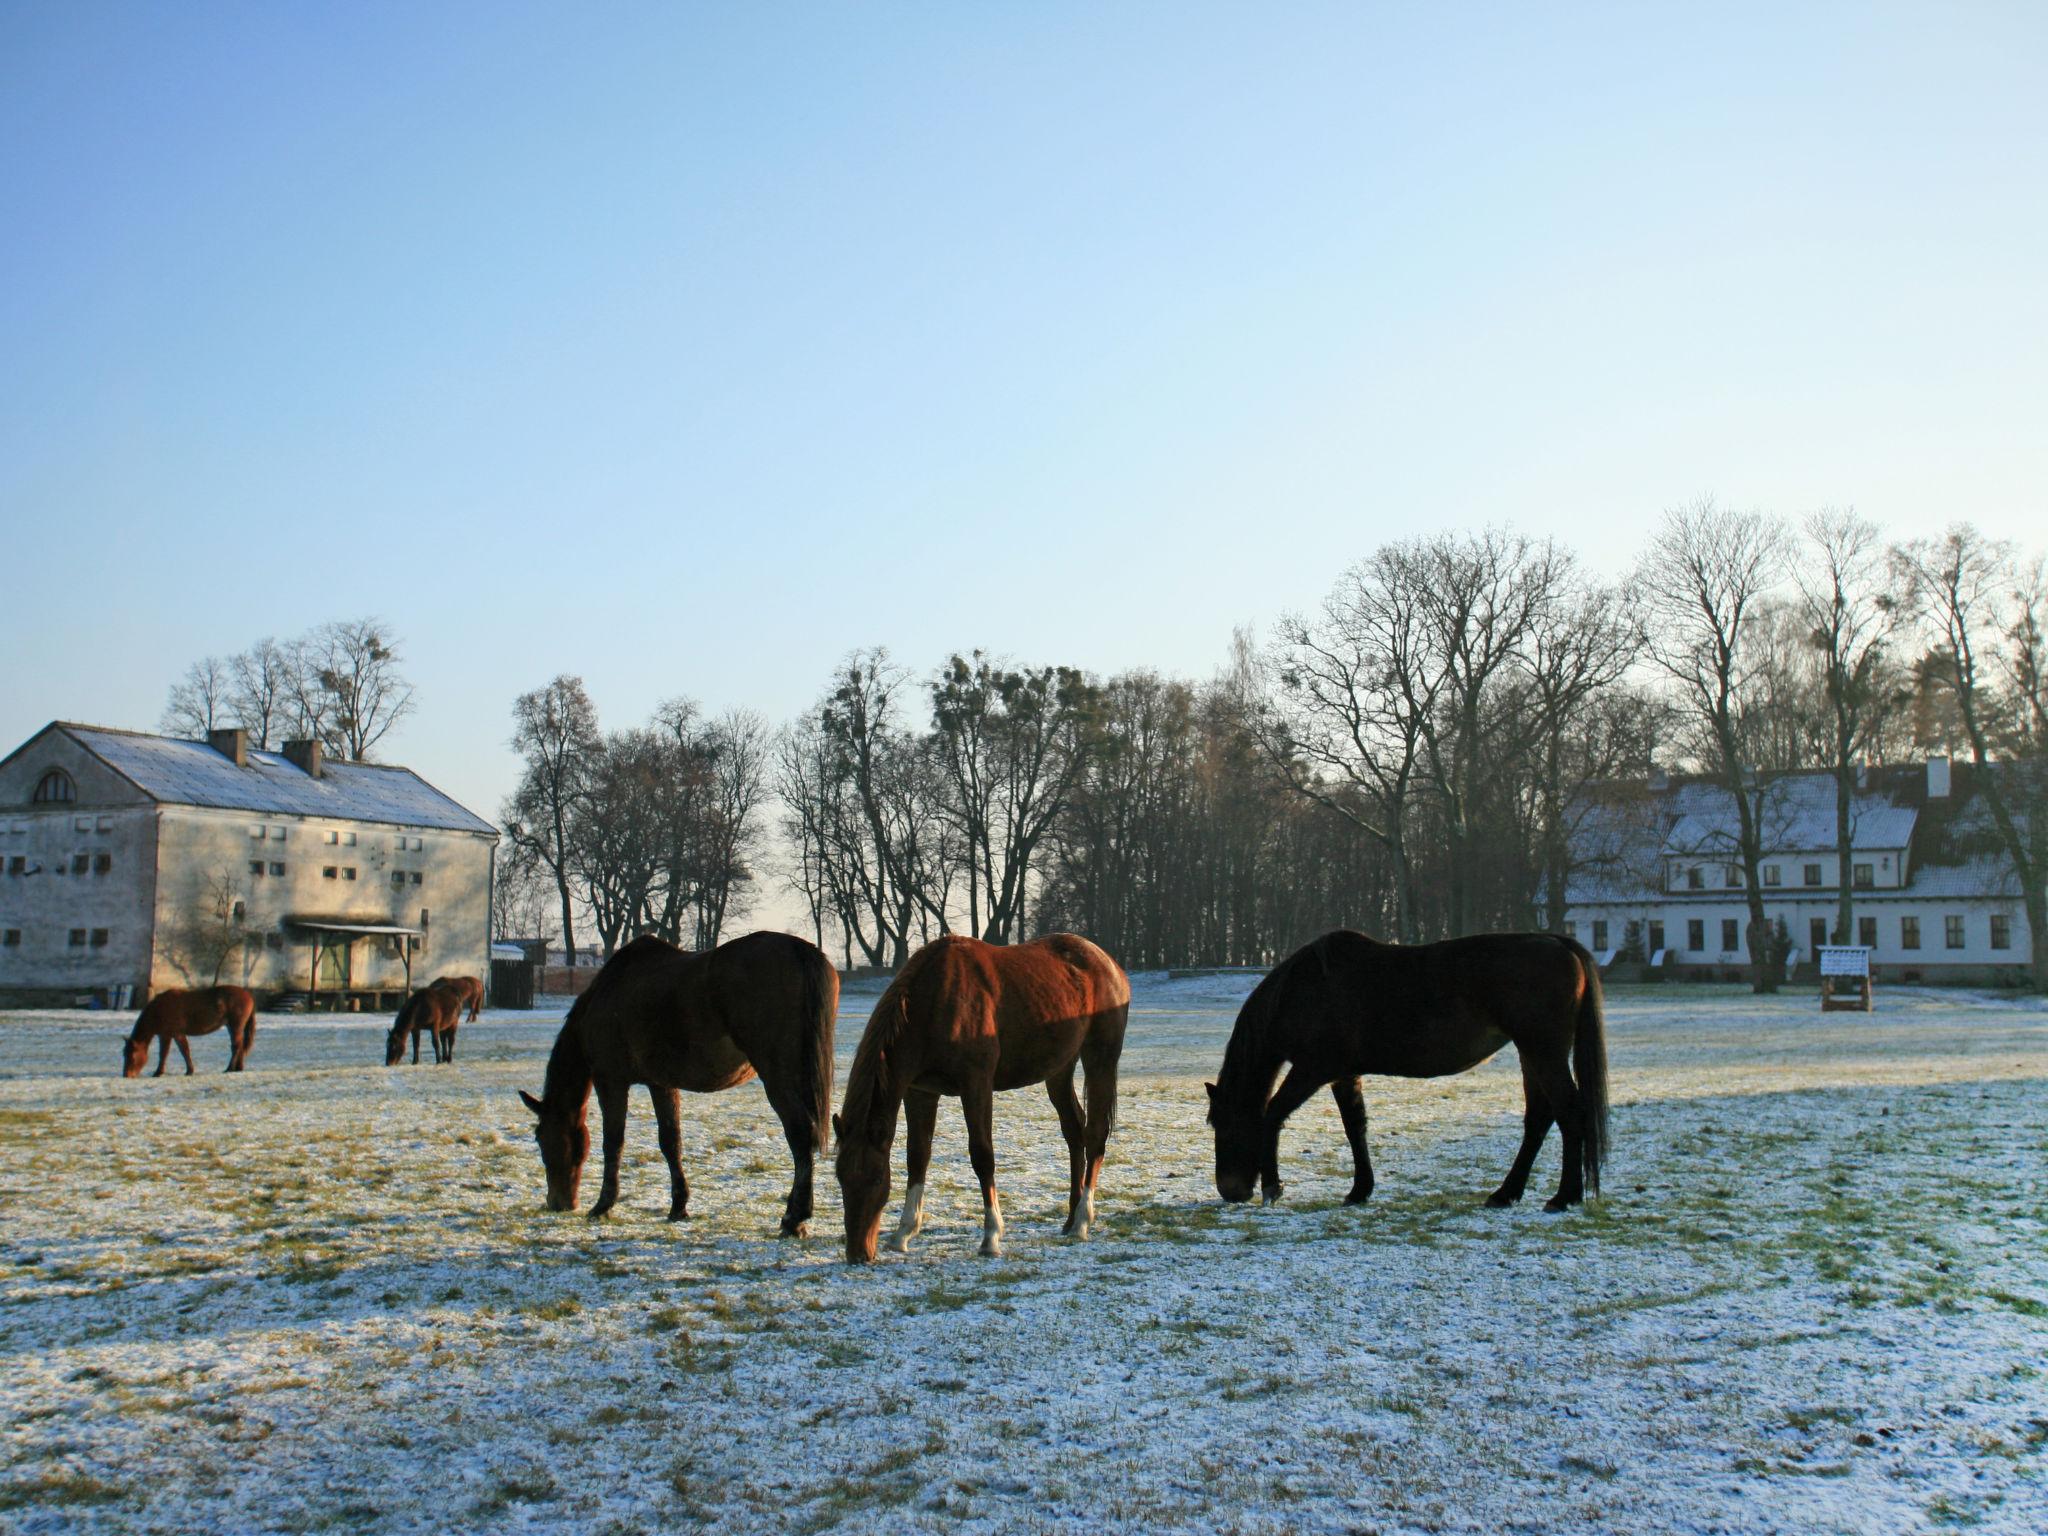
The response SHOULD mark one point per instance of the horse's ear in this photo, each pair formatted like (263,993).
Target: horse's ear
(529,1101)
(1212,1091)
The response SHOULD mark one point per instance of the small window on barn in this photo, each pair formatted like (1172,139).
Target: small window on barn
(1599,933)
(348,839)
(1866,932)
(77,939)
(1730,941)
(1773,875)
(277,834)
(17,864)
(333,838)
(349,873)
(330,873)
(1952,931)
(102,863)
(256,868)
(1864,875)
(99,938)
(415,877)
(1809,874)
(257,832)
(1909,933)
(11,938)
(241,911)
(398,877)
(80,863)
(277,869)
(105,824)
(55,788)
(1696,935)
(1694,880)
(81,823)
(2001,931)
(424,916)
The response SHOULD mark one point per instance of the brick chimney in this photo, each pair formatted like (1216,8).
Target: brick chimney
(306,755)
(231,743)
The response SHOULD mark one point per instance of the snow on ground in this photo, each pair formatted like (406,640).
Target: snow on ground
(323,1295)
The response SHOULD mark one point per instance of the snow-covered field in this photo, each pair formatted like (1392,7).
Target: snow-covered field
(323,1295)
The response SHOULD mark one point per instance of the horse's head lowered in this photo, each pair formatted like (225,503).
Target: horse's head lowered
(134,1056)
(564,1141)
(394,1048)
(1237,1128)
(863,1167)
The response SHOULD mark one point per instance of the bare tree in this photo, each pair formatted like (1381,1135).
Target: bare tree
(1985,612)
(1699,586)
(261,684)
(554,731)
(199,701)
(355,663)
(521,893)
(1847,609)
(209,930)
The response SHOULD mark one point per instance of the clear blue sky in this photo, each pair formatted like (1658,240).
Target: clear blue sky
(686,348)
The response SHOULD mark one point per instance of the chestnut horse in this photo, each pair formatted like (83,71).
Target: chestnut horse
(175,1013)
(468,991)
(972,1020)
(674,1020)
(434,1010)
(1345,1004)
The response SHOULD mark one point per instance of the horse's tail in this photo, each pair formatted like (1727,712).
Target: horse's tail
(1589,1064)
(814,1048)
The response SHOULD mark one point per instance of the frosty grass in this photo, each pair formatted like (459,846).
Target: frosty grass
(323,1296)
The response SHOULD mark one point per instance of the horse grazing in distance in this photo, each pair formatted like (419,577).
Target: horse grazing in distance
(972,1020)
(175,1013)
(674,1020)
(1344,1004)
(433,1010)
(467,989)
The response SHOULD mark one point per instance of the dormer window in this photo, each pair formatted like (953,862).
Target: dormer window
(55,788)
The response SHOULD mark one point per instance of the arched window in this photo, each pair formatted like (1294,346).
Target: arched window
(54,788)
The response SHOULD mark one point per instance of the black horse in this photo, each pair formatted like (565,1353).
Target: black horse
(1345,1004)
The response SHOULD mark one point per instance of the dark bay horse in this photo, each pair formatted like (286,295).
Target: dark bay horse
(673,1020)
(973,1019)
(434,1010)
(467,989)
(1345,1004)
(175,1013)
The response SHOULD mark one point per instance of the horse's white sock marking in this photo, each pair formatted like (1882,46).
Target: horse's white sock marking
(1084,1215)
(912,1222)
(992,1227)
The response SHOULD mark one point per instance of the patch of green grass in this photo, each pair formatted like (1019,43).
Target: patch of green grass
(554,1309)
(60,1490)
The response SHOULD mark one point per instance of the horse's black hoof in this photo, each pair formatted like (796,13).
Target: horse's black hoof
(797,1229)
(1358,1196)
(1500,1200)
(601,1210)
(677,1213)
(1557,1203)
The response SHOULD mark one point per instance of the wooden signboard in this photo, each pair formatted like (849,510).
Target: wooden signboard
(1845,978)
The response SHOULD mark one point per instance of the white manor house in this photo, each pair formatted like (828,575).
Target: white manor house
(130,863)
(1656,878)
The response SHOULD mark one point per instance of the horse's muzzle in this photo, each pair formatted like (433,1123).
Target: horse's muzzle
(1234,1188)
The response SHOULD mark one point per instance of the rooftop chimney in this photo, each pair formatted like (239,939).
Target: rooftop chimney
(231,743)
(306,755)
(1937,778)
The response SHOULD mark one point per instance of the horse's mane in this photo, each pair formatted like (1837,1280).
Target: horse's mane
(863,1106)
(1250,1060)
(568,1063)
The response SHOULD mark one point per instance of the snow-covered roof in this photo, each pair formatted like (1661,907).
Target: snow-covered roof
(1797,814)
(176,772)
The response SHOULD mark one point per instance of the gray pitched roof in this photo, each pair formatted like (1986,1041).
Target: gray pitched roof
(178,772)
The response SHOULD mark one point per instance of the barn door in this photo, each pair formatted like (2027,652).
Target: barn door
(334,964)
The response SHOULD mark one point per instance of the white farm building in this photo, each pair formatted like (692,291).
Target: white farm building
(130,863)
(1655,875)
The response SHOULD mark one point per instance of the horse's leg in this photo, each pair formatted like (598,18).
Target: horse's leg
(415,1045)
(185,1050)
(1296,1089)
(1100,1066)
(1074,1126)
(920,1119)
(668,1130)
(1536,1118)
(801,1133)
(163,1053)
(1554,1076)
(1351,1107)
(248,1039)
(611,1099)
(978,1104)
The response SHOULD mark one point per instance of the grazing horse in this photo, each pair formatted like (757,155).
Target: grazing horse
(433,1010)
(972,1019)
(1345,1004)
(175,1013)
(467,989)
(674,1020)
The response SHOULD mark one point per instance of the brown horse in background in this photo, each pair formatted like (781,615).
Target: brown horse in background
(434,1010)
(673,1020)
(468,990)
(972,1020)
(1345,1004)
(176,1013)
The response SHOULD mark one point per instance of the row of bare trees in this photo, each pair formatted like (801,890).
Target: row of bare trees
(1410,757)
(654,829)
(339,684)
